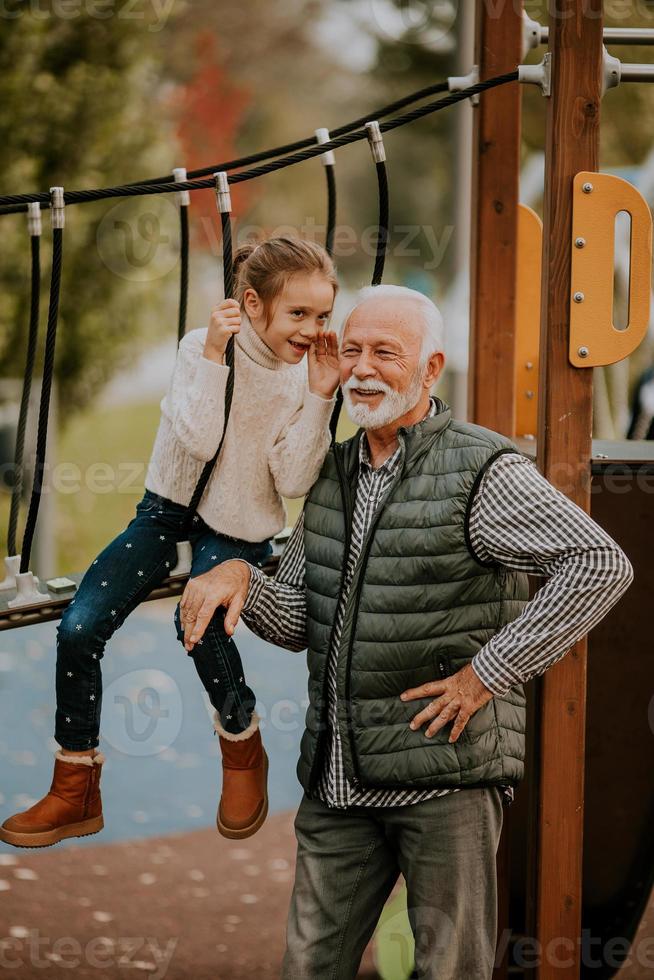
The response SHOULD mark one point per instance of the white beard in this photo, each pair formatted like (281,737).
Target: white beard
(393,405)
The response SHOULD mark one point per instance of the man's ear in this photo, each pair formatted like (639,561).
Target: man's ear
(434,368)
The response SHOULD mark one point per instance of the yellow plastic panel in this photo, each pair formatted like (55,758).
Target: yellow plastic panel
(528,277)
(593,234)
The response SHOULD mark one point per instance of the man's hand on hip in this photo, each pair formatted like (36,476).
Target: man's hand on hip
(456,699)
(225,585)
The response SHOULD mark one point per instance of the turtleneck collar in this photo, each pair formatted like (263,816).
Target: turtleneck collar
(251,344)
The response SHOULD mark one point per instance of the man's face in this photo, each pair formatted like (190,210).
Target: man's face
(380,361)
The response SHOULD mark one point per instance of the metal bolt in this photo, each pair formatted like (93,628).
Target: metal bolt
(579,297)
(580,242)
(587,187)
(529,394)
(583,352)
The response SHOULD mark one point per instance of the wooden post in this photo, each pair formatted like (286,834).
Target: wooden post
(493,257)
(564,450)
(496,169)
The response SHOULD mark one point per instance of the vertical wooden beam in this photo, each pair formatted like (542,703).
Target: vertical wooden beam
(564,450)
(496,169)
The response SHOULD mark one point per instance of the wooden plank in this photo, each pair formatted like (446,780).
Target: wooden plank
(496,168)
(564,448)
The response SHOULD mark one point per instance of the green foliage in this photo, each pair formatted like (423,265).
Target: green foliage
(75,109)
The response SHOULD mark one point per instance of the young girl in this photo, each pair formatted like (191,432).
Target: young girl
(275,442)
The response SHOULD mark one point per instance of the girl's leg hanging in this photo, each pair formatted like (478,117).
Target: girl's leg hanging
(216,656)
(121,577)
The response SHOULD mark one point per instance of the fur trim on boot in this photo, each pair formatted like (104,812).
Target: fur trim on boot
(81,760)
(238,736)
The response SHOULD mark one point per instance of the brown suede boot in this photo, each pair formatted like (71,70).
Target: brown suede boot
(244,799)
(71,808)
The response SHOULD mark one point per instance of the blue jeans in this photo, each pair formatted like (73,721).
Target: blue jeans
(119,579)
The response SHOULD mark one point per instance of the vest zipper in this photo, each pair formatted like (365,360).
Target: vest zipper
(347,517)
(364,561)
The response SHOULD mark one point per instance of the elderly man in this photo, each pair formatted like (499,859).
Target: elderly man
(406,578)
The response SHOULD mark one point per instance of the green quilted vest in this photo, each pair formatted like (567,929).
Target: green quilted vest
(420,606)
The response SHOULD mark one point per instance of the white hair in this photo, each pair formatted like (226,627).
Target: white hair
(433,340)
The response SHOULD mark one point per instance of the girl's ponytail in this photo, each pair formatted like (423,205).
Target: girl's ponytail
(241,255)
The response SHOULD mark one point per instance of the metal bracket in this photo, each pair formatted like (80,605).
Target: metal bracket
(527,340)
(457,83)
(540,74)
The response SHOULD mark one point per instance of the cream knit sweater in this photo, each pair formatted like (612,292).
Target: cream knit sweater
(276,440)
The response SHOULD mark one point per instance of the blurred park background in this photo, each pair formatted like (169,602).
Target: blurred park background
(97,97)
(95,94)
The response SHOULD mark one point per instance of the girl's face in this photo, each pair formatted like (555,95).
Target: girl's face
(299,314)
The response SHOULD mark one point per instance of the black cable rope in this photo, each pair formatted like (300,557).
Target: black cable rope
(383,235)
(228,275)
(237,164)
(183,271)
(18,474)
(277,151)
(174,187)
(331,208)
(383,227)
(44,406)
(136,190)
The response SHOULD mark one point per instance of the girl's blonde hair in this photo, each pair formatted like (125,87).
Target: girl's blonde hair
(266,267)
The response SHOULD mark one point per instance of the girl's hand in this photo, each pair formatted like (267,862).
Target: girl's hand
(323,364)
(225,321)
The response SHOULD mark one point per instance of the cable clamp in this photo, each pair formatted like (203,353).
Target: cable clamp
(531,33)
(57,207)
(611,71)
(540,74)
(34,223)
(322,136)
(457,83)
(183,197)
(223,199)
(376,141)
(12,568)
(27,591)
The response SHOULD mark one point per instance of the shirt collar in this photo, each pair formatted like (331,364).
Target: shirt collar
(388,464)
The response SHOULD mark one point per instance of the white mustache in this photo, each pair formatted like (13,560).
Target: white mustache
(369,385)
